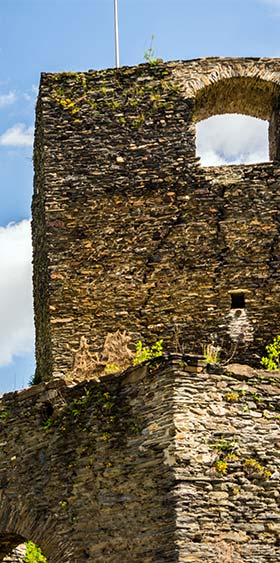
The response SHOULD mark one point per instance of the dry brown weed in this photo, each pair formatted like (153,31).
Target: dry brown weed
(114,357)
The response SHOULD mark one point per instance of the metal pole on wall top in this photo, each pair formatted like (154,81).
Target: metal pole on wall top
(117,49)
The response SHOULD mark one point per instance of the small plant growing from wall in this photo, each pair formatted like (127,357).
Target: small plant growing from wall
(272,360)
(253,467)
(149,55)
(144,353)
(33,554)
(221,466)
(116,356)
(211,353)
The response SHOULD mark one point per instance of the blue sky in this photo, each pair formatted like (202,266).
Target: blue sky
(58,35)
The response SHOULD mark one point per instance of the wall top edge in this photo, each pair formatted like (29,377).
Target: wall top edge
(174,63)
(174,365)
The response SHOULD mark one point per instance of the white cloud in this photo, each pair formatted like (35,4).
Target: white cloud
(32,94)
(232,139)
(16,314)
(273,7)
(7,99)
(18,135)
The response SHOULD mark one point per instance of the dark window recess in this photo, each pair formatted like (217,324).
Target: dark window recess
(237,301)
(46,412)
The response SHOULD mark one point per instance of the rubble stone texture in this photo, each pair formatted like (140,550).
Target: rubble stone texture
(131,232)
(173,460)
(130,469)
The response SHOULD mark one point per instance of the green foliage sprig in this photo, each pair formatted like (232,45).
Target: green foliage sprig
(112,368)
(5,414)
(272,360)
(149,55)
(144,353)
(226,446)
(33,554)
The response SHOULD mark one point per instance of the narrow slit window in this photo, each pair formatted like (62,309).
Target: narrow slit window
(237,301)
(232,139)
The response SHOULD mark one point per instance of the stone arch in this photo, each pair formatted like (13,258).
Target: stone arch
(8,544)
(244,86)
(250,96)
(19,524)
(254,97)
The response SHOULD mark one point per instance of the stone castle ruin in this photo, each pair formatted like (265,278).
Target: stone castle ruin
(172,460)
(131,232)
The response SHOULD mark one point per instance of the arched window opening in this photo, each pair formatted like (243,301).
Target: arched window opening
(238,121)
(232,139)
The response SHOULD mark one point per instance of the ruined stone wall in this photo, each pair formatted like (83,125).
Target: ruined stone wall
(227,468)
(82,470)
(131,233)
(159,464)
